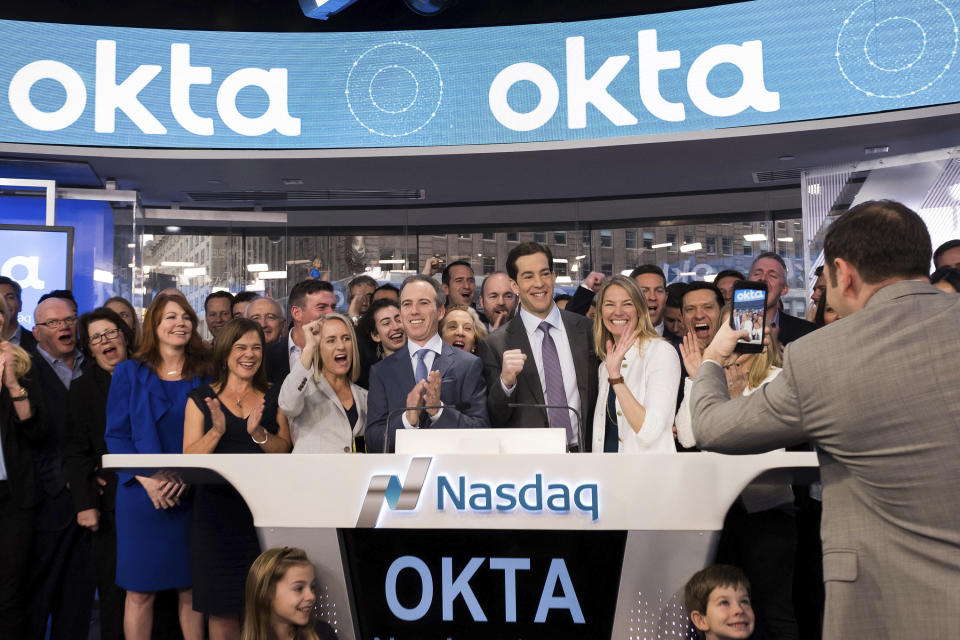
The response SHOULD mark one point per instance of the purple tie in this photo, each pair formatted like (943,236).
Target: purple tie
(553,375)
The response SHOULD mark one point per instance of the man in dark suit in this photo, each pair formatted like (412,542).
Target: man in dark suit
(427,373)
(523,358)
(769,267)
(309,299)
(12,330)
(61,579)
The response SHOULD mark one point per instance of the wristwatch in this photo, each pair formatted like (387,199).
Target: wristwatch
(614,381)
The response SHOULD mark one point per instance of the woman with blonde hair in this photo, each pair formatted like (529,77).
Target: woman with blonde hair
(280,598)
(20,424)
(639,375)
(327,410)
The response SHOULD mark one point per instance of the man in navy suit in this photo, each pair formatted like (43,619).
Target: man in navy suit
(426,374)
(12,330)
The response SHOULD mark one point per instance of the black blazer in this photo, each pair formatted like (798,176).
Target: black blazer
(580,301)
(513,335)
(27,342)
(793,328)
(49,455)
(17,438)
(86,422)
(278,361)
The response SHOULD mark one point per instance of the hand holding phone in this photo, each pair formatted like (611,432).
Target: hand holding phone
(749,313)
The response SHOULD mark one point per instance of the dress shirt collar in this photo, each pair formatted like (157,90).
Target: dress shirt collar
(435,344)
(531,322)
(291,345)
(15,337)
(65,373)
(659,329)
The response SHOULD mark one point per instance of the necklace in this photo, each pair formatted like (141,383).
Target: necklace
(241,397)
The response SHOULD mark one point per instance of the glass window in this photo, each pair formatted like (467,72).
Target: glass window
(463,236)
(630,239)
(559,237)
(672,239)
(747,248)
(606,238)
(687,238)
(560,268)
(513,236)
(606,267)
(726,244)
(489,264)
(585,239)
(648,239)
(712,244)
(489,235)
(540,236)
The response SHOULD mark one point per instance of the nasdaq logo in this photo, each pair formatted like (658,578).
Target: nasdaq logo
(534,497)
(398,496)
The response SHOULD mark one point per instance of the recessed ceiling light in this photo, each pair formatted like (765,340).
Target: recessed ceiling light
(870,151)
(292,182)
(172,229)
(687,248)
(214,181)
(787,158)
(755,237)
(662,245)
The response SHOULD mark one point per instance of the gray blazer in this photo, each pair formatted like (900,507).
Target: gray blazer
(878,393)
(318,423)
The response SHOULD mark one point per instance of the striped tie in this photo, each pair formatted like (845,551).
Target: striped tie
(553,375)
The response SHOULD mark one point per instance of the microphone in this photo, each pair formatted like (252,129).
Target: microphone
(459,406)
(535,405)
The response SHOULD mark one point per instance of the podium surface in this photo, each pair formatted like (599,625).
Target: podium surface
(489,546)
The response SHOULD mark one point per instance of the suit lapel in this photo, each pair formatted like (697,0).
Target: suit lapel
(579,349)
(517,339)
(443,361)
(327,390)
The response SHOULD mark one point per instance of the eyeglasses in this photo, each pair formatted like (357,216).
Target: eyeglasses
(109,334)
(269,317)
(53,325)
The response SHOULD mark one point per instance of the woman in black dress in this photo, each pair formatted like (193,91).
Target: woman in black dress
(237,413)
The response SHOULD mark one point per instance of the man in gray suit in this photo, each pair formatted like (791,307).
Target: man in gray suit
(877,393)
(542,356)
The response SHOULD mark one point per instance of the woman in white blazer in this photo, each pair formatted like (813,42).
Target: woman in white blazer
(639,375)
(326,410)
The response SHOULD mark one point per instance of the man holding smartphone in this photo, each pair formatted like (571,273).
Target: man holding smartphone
(877,394)
(769,268)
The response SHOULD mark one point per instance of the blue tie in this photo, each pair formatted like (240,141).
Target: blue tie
(421,371)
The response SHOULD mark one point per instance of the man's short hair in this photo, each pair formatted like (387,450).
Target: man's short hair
(942,249)
(243,296)
(226,295)
(701,285)
(730,273)
(526,249)
(949,275)
(419,277)
(298,295)
(387,287)
(13,283)
(773,255)
(882,239)
(675,294)
(696,593)
(445,275)
(361,279)
(560,297)
(818,271)
(62,294)
(487,277)
(649,268)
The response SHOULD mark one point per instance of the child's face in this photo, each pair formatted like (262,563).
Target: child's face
(729,614)
(294,599)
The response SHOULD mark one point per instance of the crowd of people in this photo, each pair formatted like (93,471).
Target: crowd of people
(307,378)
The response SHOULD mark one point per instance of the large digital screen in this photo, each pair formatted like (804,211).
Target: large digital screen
(411,584)
(734,65)
(40,259)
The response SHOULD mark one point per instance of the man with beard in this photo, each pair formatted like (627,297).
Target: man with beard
(498,300)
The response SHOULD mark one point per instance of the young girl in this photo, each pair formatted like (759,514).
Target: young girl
(280,597)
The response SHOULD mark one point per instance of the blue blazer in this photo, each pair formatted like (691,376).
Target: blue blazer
(134,407)
(391,380)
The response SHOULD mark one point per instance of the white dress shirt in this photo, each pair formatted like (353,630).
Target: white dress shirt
(293,351)
(435,345)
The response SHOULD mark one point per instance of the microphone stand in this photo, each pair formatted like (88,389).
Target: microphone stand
(459,406)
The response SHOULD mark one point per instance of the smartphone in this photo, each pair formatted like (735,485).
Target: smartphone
(749,312)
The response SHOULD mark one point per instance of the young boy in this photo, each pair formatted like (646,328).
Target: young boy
(718,600)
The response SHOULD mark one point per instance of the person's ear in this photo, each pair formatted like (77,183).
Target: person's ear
(514,287)
(446,289)
(699,621)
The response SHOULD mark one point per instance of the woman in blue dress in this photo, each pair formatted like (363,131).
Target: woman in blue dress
(145,411)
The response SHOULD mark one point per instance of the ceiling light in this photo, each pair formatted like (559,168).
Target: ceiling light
(172,263)
(755,237)
(299,261)
(560,260)
(172,228)
(580,257)
(131,245)
(692,274)
(564,280)
(710,278)
(256,285)
(813,189)
(662,245)
(272,275)
(105,277)
(292,182)
(787,239)
(195,272)
(392,261)
(688,248)
(253,268)
(872,151)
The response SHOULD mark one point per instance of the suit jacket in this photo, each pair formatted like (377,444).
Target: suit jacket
(529,390)
(793,328)
(17,438)
(277,358)
(877,393)
(86,421)
(391,380)
(27,342)
(318,422)
(49,455)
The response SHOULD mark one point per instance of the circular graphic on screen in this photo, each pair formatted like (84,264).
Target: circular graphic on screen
(896,49)
(394,89)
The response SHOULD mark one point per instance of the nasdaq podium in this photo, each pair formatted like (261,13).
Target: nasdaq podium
(488,545)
